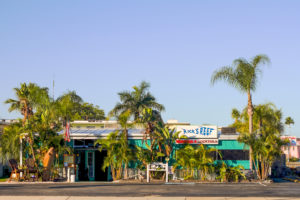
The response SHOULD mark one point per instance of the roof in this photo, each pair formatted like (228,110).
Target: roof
(79,133)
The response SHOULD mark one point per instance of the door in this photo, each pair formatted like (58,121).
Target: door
(100,175)
(90,165)
(82,170)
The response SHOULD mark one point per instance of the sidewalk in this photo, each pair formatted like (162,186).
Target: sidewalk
(137,198)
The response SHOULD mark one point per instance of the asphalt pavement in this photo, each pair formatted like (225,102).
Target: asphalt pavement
(98,189)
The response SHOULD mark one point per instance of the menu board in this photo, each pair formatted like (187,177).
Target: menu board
(69,160)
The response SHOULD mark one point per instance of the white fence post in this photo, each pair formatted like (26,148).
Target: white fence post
(148,175)
(167,172)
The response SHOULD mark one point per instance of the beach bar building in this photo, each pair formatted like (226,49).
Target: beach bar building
(87,160)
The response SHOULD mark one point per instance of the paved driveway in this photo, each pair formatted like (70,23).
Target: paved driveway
(142,190)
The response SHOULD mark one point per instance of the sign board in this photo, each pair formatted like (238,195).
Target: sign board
(197,141)
(69,160)
(157,167)
(292,139)
(198,132)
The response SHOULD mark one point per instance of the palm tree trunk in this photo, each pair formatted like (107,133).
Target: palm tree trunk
(250,115)
(126,133)
(125,171)
(31,147)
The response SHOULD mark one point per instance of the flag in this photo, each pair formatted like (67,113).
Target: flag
(67,132)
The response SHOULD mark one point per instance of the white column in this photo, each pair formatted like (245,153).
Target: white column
(68,174)
(148,175)
(21,156)
(167,172)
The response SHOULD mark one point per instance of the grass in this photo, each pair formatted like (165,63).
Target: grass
(3,179)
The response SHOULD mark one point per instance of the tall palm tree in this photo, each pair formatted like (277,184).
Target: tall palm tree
(29,97)
(135,101)
(243,75)
(289,121)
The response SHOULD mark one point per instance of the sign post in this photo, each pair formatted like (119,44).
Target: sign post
(157,167)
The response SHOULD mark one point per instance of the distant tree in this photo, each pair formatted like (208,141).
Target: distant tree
(88,111)
(289,121)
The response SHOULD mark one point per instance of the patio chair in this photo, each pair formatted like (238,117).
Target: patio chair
(15,171)
(31,171)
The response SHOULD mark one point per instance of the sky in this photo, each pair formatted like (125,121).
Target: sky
(99,48)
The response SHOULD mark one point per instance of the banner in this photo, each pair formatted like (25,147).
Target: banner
(198,132)
(197,141)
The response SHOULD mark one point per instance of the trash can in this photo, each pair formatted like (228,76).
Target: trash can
(72,178)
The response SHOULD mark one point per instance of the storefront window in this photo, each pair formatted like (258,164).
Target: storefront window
(234,154)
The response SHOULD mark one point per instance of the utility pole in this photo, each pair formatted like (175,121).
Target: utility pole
(53,85)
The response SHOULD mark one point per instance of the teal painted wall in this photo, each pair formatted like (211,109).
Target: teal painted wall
(223,145)
(229,145)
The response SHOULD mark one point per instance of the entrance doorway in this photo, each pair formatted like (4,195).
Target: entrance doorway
(82,170)
(100,175)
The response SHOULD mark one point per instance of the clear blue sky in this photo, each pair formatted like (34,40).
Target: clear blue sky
(99,48)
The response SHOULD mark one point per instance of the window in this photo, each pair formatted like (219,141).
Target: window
(83,143)
(234,154)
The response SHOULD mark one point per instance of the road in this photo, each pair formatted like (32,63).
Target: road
(287,189)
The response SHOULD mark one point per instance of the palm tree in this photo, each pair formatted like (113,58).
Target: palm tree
(289,121)
(243,76)
(118,153)
(135,101)
(204,160)
(185,158)
(167,137)
(266,146)
(29,97)
(123,119)
(68,105)
(10,142)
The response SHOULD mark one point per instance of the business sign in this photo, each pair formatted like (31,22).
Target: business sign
(197,141)
(198,132)
(292,139)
